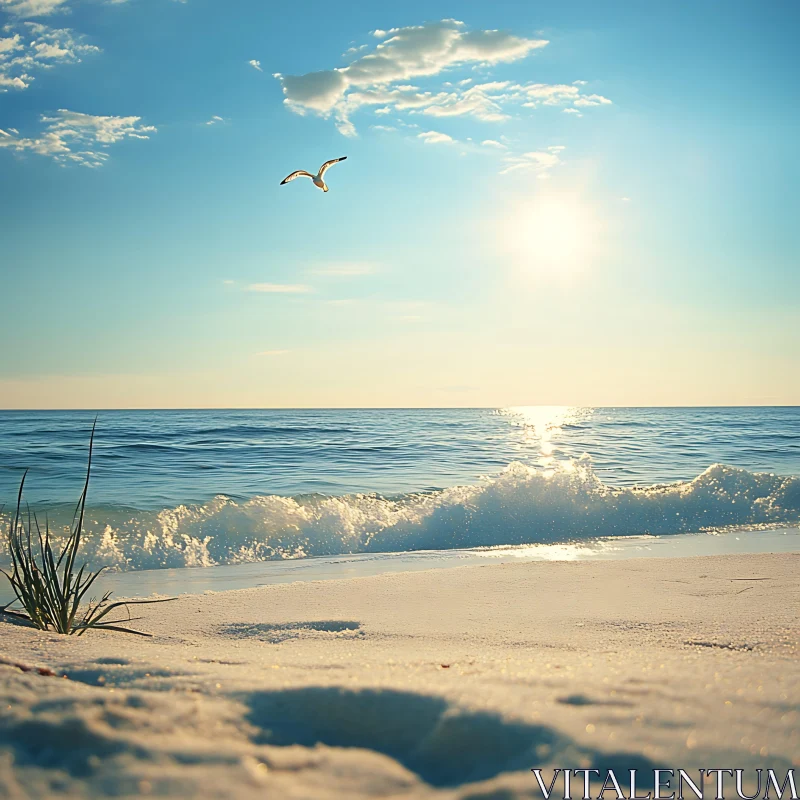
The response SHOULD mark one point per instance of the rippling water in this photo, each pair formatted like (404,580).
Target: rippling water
(185,488)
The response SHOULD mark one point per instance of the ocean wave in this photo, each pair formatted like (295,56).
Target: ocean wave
(521,505)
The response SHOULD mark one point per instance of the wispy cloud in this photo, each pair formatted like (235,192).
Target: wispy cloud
(494,144)
(30,47)
(346,269)
(540,162)
(32,8)
(434,137)
(549,94)
(73,137)
(592,100)
(483,101)
(255,64)
(354,49)
(279,288)
(215,120)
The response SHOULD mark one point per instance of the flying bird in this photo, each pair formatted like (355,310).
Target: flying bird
(318,179)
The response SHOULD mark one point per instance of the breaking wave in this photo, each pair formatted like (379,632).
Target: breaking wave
(521,505)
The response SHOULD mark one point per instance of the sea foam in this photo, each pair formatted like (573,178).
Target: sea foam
(520,505)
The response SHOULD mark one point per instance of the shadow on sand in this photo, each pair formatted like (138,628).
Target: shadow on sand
(443,744)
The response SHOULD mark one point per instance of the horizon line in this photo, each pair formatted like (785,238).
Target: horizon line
(90,409)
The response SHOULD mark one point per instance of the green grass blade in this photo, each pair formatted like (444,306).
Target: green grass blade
(50,593)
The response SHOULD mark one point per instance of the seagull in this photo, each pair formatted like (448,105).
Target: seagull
(318,178)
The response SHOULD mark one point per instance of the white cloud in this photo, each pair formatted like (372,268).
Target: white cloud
(73,137)
(215,120)
(31,47)
(548,94)
(354,49)
(317,91)
(478,101)
(488,102)
(493,143)
(255,64)
(539,162)
(404,54)
(20,82)
(593,100)
(32,8)
(272,353)
(345,127)
(434,137)
(105,130)
(573,111)
(10,43)
(398,98)
(279,288)
(346,269)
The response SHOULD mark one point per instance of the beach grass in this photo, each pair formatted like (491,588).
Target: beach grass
(52,595)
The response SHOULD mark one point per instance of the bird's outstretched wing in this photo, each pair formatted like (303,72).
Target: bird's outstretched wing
(300,173)
(328,164)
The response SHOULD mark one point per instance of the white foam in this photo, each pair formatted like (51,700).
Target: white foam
(521,505)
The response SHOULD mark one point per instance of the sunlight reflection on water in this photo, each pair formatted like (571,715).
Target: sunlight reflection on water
(541,426)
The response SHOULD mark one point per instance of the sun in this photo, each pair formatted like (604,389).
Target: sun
(553,234)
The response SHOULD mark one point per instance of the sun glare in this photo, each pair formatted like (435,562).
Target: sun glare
(551,235)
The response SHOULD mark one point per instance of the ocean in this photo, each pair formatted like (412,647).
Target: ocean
(204,488)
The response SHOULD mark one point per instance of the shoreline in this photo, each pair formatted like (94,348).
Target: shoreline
(439,683)
(224,577)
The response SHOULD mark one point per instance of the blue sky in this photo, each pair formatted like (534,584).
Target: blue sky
(570,203)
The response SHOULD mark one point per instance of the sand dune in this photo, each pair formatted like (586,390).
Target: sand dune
(445,683)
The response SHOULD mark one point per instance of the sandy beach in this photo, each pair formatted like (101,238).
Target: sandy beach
(399,400)
(440,683)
